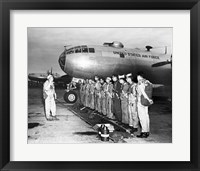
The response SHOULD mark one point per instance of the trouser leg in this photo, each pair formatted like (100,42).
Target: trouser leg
(98,104)
(117,109)
(92,102)
(125,115)
(104,106)
(47,107)
(110,114)
(53,107)
(130,113)
(81,97)
(133,116)
(143,117)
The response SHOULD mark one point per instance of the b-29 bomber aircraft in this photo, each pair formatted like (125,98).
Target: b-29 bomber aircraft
(88,61)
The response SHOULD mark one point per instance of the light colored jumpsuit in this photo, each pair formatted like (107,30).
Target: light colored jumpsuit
(91,96)
(109,90)
(49,96)
(82,93)
(132,106)
(97,96)
(124,103)
(142,110)
(103,99)
(87,88)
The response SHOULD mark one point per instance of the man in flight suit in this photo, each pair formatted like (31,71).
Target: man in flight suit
(87,88)
(49,96)
(116,99)
(91,94)
(97,94)
(124,99)
(143,110)
(132,104)
(82,92)
(103,96)
(109,91)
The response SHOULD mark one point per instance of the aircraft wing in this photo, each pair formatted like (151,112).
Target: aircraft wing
(41,77)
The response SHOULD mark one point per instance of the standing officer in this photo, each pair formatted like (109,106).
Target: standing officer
(87,88)
(124,100)
(103,96)
(91,94)
(116,98)
(132,104)
(143,110)
(78,88)
(109,90)
(49,95)
(82,92)
(97,94)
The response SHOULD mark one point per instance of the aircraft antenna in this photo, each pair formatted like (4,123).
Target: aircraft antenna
(149,48)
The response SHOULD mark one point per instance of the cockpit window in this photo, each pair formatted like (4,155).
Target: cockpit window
(121,55)
(84,49)
(91,50)
(78,49)
(70,51)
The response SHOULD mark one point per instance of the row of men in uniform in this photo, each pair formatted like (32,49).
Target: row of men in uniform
(118,98)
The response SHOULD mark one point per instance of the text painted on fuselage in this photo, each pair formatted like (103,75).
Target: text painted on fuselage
(136,55)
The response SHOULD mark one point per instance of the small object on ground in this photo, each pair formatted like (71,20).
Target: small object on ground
(105,134)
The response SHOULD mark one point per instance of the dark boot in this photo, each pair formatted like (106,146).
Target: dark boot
(143,135)
(147,134)
(134,130)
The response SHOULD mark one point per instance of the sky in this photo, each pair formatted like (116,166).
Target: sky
(46,44)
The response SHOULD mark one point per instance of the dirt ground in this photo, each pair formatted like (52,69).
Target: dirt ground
(73,128)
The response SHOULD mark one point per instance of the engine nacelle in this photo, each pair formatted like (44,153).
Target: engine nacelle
(66,79)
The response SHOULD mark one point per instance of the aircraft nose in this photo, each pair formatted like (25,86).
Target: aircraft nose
(61,60)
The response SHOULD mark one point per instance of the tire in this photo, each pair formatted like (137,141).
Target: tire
(70,97)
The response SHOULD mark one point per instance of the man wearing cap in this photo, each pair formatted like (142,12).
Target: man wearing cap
(109,90)
(87,87)
(82,92)
(132,104)
(124,100)
(103,96)
(143,110)
(91,94)
(49,96)
(116,98)
(97,94)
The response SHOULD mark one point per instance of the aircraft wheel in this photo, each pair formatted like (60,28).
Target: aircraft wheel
(70,97)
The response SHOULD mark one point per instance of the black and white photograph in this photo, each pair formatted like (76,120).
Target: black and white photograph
(99,85)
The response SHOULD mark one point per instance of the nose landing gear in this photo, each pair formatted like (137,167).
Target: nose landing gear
(70,97)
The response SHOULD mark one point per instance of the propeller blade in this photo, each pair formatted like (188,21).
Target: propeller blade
(161,63)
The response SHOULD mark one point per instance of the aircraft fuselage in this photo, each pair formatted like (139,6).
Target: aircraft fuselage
(105,61)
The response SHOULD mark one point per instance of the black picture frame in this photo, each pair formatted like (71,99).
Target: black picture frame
(7,5)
